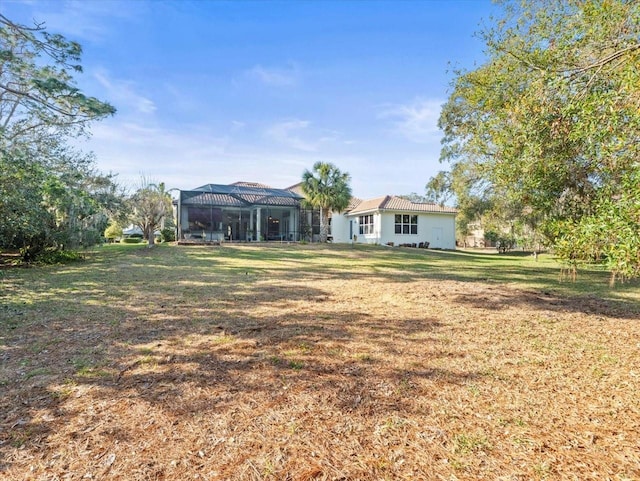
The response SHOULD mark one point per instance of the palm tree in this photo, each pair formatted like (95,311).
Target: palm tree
(326,188)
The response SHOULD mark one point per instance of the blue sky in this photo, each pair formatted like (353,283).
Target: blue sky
(220,91)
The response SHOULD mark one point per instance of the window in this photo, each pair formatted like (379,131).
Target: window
(366,224)
(406,224)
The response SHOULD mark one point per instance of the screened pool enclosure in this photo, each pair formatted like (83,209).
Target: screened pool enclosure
(239,212)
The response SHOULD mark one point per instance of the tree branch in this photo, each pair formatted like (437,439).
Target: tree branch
(42,102)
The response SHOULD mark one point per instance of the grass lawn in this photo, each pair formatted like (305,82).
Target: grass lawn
(291,362)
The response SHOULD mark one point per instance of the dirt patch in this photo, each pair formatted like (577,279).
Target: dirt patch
(225,366)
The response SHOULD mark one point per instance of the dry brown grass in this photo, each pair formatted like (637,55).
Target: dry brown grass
(305,363)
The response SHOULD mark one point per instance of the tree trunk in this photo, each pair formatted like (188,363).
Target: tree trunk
(150,237)
(324,224)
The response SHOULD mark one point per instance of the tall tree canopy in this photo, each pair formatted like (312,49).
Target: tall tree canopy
(37,91)
(50,195)
(326,188)
(149,206)
(550,124)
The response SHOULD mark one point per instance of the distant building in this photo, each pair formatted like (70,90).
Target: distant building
(476,236)
(396,221)
(248,211)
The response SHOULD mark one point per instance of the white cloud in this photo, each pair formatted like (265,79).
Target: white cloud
(299,135)
(187,156)
(124,95)
(288,133)
(130,148)
(275,77)
(237,125)
(416,121)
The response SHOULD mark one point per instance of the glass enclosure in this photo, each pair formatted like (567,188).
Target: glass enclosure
(237,213)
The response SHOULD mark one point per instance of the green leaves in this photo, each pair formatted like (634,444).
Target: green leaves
(326,188)
(37,92)
(149,205)
(50,197)
(552,120)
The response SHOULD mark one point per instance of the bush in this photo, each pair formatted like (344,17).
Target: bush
(131,240)
(168,234)
(113,232)
(54,256)
(91,237)
(503,242)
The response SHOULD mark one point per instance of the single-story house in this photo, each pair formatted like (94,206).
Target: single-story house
(396,221)
(248,211)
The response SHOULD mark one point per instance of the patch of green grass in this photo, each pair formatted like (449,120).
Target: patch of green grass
(41,371)
(275,360)
(66,389)
(334,352)
(88,368)
(42,345)
(474,390)
(296,365)
(363,357)
(148,360)
(468,443)
(457,464)
(543,470)
(223,339)
(390,425)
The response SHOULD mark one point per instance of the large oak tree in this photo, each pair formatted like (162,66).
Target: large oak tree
(550,125)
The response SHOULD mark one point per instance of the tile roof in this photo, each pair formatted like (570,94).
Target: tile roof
(207,198)
(240,194)
(393,203)
(369,204)
(296,188)
(252,184)
(353,203)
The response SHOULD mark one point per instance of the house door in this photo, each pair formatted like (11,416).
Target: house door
(436,237)
(273,228)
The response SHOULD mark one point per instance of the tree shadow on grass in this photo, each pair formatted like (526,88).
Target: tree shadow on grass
(90,336)
(199,334)
(498,299)
(184,368)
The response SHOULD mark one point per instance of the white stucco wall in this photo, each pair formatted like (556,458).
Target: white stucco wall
(340,228)
(437,229)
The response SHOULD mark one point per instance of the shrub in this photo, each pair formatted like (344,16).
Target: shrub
(131,240)
(168,234)
(91,237)
(55,256)
(113,231)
